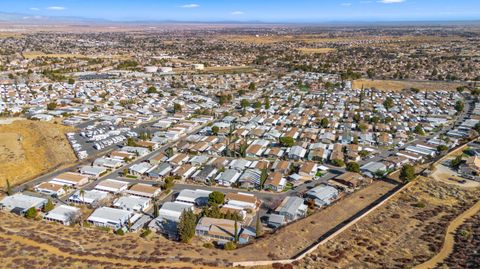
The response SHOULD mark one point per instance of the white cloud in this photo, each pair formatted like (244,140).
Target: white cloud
(190,6)
(56,8)
(346,4)
(34,8)
(391,1)
(238,13)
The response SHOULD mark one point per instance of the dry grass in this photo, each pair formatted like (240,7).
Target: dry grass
(315,50)
(29,148)
(407,230)
(394,85)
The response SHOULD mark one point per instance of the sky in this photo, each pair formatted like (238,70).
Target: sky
(299,11)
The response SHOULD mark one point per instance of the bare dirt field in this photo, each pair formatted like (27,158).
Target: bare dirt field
(406,231)
(315,50)
(29,148)
(394,85)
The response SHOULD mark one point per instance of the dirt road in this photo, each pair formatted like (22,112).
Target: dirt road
(449,242)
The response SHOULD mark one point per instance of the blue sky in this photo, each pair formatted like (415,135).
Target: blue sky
(251,10)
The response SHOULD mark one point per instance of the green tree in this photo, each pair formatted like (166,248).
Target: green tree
(49,206)
(258,227)
(169,152)
(51,106)
(477,127)
(442,148)
(120,232)
(177,108)
(9,188)
(338,162)
(236,231)
(151,90)
(215,130)
(244,103)
(419,130)
(155,209)
(353,167)
(252,86)
(267,103)
(71,81)
(459,106)
(186,226)
(31,213)
(216,198)
(407,173)
(388,103)
(324,122)
(229,246)
(169,183)
(455,163)
(287,141)
(263,178)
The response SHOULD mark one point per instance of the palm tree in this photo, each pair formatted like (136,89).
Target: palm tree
(82,194)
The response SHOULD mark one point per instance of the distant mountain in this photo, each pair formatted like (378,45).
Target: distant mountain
(27,18)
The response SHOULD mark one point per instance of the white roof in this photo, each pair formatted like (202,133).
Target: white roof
(108,214)
(63,213)
(21,200)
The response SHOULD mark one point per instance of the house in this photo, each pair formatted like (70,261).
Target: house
(162,170)
(308,169)
(178,159)
(297,153)
(168,219)
(276,221)
(19,203)
(322,195)
(250,178)
(242,200)
(52,189)
(350,179)
(113,218)
(281,166)
(140,169)
(410,155)
(373,169)
(396,161)
(292,208)
(173,210)
(157,159)
(111,163)
(275,182)
(228,177)
(205,174)
(195,197)
(112,186)
(421,151)
(471,168)
(70,179)
(220,230)
(184,171)
(90,197)
(144,190)
(93,171)
(63,214)
(132,203)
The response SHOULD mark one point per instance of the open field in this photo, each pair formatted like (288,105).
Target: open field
(394,85)
(29,148)
(406,231)
(316,38)
(315,50)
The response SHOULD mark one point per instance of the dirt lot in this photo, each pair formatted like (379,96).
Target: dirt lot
(315,50)
(394,85)
(29,148)
(407,231)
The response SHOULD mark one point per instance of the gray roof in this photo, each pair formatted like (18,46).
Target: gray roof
(22,201)
(291,205)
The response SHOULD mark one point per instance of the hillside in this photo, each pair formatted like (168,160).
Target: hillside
(29,148)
